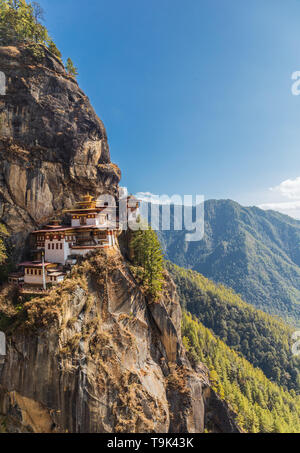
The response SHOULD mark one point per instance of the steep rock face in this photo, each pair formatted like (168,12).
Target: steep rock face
(92,357)
(99,366)
(53,147)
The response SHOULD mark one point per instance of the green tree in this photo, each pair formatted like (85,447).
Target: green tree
(20,22)
(3,235)
(53,48)
(148,257)
(71,69)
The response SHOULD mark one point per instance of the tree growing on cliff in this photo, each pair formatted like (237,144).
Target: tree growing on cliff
(71,69)
(21,22)
(53,48)
(148,257)
(3,235)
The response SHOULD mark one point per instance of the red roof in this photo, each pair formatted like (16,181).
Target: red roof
(34,264)
(54,229)
(81,227)
(86,247)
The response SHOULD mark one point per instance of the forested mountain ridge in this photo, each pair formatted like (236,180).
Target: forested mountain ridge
(262,406)
(255,252)
(264,341)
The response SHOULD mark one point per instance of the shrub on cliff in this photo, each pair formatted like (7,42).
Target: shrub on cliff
(53,48)
(70,68)
(3,234)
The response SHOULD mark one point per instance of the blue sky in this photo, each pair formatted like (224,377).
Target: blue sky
(195,95)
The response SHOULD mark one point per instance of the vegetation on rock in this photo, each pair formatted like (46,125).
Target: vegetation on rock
(148,260)
(21,22)
(71,70)
(3,235)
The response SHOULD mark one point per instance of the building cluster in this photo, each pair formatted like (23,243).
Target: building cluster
(93,226)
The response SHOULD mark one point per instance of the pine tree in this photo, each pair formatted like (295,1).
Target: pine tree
(71,69)
(148,257)
(53,48)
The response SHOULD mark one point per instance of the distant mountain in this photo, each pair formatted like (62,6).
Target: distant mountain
(255,252)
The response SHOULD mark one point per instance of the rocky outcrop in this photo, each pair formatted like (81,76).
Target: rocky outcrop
(219,418)
(93,356)
(101,364)
(53,147)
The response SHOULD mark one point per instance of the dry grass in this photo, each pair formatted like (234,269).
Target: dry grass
(177,379)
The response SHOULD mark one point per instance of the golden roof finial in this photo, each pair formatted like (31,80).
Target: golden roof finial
(87,197)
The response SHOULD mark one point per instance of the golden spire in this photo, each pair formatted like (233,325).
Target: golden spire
(87,202)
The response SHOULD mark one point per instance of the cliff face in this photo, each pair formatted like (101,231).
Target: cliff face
(53,147)
(93,356)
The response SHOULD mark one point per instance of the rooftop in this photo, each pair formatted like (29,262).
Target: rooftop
(16,275)
(37,264)
(106,226)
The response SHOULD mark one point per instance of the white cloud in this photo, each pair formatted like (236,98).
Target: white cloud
(289,189)
(175,199)
(285,198)
(147,197)
(290,208)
